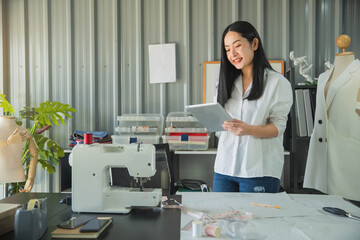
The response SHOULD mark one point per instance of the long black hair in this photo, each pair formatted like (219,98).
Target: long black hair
(228,73)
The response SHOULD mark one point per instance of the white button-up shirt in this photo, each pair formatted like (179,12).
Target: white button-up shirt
(248,156)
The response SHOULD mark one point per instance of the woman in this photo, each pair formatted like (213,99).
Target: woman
(250,153)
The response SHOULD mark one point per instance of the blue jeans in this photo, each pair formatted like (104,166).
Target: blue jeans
(224,183)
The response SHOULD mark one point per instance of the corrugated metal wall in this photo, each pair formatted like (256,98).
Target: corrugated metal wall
(93,54)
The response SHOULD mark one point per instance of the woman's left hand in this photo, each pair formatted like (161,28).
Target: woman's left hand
(237,127)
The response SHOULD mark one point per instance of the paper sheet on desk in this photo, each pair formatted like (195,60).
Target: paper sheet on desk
(216,203)
(299,217)
(320,201)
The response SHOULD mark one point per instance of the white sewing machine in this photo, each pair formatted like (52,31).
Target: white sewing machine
(91,189)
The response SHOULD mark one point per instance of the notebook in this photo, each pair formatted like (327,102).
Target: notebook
(75,233)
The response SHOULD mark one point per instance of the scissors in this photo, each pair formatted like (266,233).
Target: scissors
(340,212)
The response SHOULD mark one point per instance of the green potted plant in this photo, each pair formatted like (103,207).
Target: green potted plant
(42,118)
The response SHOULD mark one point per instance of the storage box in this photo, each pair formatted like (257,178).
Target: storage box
(185,132)
(134,128)
(186,142)
(127,139)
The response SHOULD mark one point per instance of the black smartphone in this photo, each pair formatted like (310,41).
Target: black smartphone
(76,222)
(94,225)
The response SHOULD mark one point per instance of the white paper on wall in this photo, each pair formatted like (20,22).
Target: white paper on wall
(212,78)
(162,65)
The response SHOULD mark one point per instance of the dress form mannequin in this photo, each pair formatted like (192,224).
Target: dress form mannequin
(333,156)
(12,141)
(342,60)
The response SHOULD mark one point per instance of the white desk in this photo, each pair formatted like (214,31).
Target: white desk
(300,215)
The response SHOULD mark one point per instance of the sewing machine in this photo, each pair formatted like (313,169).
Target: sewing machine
(91,177)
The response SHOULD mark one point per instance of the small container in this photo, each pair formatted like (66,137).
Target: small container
(136,128)
(185,132)
(186,142)
(127,139)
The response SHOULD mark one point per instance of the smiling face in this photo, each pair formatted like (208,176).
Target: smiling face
(239,51)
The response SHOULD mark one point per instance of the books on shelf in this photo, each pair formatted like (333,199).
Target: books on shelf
(75,233)
(308,112)
(305,103)
(300,113)
(313,100)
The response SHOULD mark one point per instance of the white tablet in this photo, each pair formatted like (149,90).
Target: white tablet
(211,115)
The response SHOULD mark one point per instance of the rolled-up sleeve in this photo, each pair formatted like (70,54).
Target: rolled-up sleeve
(282,102)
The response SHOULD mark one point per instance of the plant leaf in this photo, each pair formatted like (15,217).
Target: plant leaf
(66,114)
(28,113)
(47,120)
(7,108)
(47,166)
(54,119)
(70,109)
(60,118)
(52,110)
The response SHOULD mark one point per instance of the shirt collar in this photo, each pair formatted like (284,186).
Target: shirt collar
(239,86)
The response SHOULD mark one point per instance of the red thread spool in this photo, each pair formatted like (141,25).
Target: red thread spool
(87,138)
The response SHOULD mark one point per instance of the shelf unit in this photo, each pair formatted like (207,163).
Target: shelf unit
(296,145)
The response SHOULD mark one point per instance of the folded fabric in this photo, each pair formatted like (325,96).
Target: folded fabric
(105,139)
(98,134)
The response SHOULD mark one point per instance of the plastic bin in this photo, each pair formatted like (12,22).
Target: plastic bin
(185,132)
(133,128)
(186,142)
(127,139)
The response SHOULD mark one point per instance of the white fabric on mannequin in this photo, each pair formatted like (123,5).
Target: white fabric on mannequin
(341,62)
(333,157)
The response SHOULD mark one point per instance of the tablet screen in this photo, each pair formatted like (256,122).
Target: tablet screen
(211,115)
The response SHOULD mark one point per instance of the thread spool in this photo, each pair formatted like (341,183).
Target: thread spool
(213,231)
(87,138)
(197,228)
